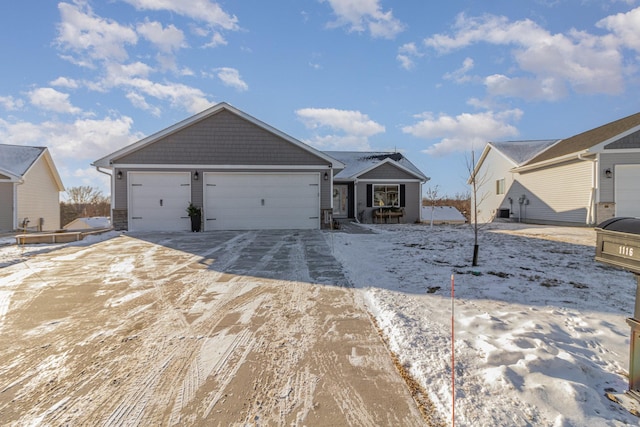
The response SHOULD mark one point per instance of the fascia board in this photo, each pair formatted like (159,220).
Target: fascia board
(46,156)
(600,146)
(485,152)
(394,163)
(550,162)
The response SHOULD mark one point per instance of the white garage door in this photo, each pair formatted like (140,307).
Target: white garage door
(253,201)
(627,193)
(158,201)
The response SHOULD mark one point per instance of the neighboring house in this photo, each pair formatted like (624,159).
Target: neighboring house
(94,222)
(29,189)
(373,179)
(442,215)
(243,173)
(581,180)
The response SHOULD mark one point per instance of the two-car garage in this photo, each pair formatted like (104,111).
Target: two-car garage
(231,200)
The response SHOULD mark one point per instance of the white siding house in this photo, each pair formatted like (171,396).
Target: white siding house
(581,180)
(30,186)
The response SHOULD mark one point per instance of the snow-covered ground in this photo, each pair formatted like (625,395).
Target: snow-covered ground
(540,331)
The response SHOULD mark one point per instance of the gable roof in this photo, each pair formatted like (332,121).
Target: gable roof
(16,160)
(107,161)
(585,140)
(520,152)
(360,162)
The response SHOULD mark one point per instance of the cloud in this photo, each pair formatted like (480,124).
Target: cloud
(49,99)
(463,132)
(89,37)
(406,54)
(199,10)
(231,77)
(217,39)
(169,39)
(80,139)
(354,128)
(584,62)
(10,103)
(625,26)
(139,101)
(65,82)
(460,75)
(365,15)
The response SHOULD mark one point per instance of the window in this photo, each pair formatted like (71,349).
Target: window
(500,186)
(386,195)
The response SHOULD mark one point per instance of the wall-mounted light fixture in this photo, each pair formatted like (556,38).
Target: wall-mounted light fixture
(608,173)
(119,175)
(326,176)
(196,176)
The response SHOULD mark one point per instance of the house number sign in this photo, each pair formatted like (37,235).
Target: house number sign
(625,251)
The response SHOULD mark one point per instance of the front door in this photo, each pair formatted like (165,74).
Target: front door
(340,201)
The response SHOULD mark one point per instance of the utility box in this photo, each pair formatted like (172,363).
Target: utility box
(618,244)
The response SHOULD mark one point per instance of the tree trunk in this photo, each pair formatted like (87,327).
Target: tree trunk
(475,255)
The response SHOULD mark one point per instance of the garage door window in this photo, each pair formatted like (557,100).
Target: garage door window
(386,195)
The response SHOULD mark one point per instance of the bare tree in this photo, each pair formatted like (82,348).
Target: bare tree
(433,197)
(83,201)
(476,181)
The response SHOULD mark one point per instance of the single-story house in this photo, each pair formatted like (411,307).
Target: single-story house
(89,223)
(581,180)
(243,174)
(30,189)
(442,215)
(371,180)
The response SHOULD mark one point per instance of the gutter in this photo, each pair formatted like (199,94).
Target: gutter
(553,161)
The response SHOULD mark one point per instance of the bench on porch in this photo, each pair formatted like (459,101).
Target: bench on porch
(387,213)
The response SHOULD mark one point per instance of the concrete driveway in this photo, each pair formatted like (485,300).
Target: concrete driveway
(225,328)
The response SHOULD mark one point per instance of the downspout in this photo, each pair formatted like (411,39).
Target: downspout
(110,184)
(590,214)
(355,200)
(15,202)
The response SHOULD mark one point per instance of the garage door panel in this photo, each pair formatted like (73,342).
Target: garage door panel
(627,196)
(261,201)
(158,201)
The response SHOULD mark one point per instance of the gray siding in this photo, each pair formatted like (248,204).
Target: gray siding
(629,141)
(386,171)
(608,161)
(412,201)
(6,206)
(222,139)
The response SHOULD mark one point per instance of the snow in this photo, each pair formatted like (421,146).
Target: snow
(540,331)
(17,159)
(441,214)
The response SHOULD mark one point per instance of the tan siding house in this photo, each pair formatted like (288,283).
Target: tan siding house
(29,189)
(582,180)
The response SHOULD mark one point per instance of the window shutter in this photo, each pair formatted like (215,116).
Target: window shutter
(402,203)
(369,195)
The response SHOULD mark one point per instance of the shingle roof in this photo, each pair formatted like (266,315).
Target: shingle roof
(17,159)
(588,139)
(521,151)
(358,162)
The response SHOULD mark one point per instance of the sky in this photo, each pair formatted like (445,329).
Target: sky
(433,80)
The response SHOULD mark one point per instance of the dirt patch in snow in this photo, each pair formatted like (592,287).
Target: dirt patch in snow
(127,332)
